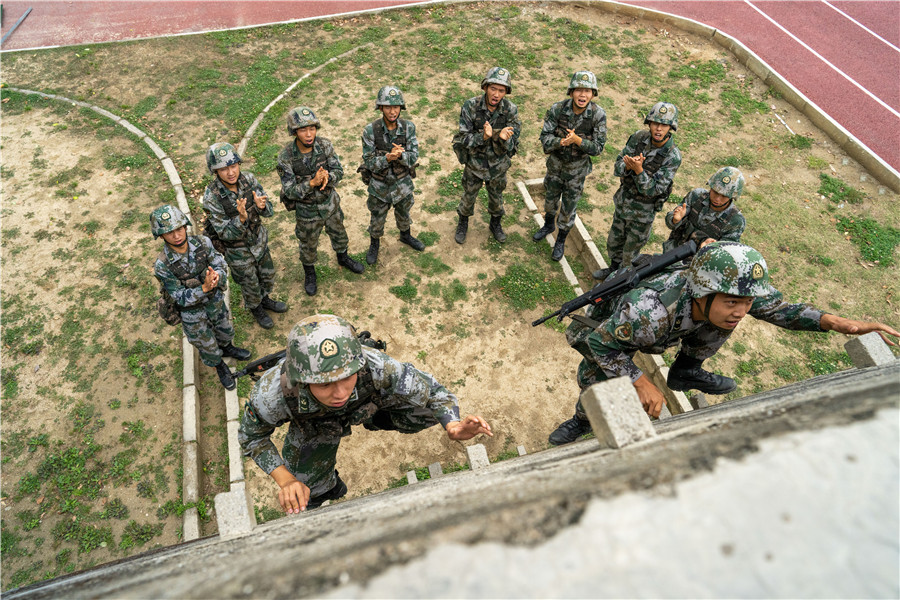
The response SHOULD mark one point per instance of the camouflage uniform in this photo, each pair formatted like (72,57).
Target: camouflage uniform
(314,208)
(701,222)
(246,244)
(488,160)
(204,316)
(640,197)
(389,394)
(391,184)
(567,167)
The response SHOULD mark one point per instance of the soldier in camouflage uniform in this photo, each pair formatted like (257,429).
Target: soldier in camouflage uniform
(390,151)
(646,168)
(194,275)
(328,382)
(488,137)
(574,130)
(699,307)
(709,215)
(234,202)
(310,170)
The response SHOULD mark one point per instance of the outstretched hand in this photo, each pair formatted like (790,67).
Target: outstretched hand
(468,428)
(852,327)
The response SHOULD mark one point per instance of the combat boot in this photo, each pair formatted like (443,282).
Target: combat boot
(547,229)
(348,263)
(569,431)
(461,229)
(225,375)
(274,305)
(559,247)
(338,491)
(602,274)
(232,351)
(497,229)
(262,317)
(685,374)
(407,238)
(309,279)
(372,254)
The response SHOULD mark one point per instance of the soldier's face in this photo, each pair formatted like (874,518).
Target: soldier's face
(581,97)
(307,135)
(229,175)
(391,113)
(334,394)
(176,238)
(727,311)
(658,132)
(717,201)
(494,93)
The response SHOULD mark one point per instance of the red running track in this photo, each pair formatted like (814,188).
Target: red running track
(874,118)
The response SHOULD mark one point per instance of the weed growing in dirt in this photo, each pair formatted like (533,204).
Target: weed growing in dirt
(876,242)
(838,191)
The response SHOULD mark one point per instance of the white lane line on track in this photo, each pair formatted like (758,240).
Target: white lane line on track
(824,60)
(861,25)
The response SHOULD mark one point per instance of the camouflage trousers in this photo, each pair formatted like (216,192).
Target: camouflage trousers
(208,328)
(256,277)
(379,209)
(568,189)
(311,453)
(472,185)
(631,228)
(309,230)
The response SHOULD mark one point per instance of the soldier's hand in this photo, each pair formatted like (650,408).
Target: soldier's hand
(395,153)
(488,130)
(210,281)
(851,327)
(651,398)
(568,140)
(325,178)
(242,208)
(506,133)
(468,428)
(260,201)
(706,242)
(678,213)
(293,497)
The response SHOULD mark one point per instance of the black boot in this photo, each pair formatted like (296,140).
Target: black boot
(559,247)
(686,374)
(232,351)
(547,229)
(407,238)
(569,431)
(372,254)
(497,229)
(348,263)
(602,274)
(273,305)
(309,279)
(461,229)
(338,491)
(225,375)
(262,317)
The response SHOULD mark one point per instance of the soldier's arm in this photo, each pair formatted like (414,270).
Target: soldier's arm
(516,124)
(262,415)
(290,187)
(411,155)
(373,162)
(256,186)
(594,146)
(619,169)
(470,137)
(549,140)
(185,297)
(216,261)
(228,229)
(735,229)
(775,310)
(660,181)
(688,202)
(332,165)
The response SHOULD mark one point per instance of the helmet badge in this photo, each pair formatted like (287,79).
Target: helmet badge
(501,72)
(663,110)
(165,216)
(328,348)
(392,93)
(757,271)
(223,152)
(584,77)
(726,180)
(305,112)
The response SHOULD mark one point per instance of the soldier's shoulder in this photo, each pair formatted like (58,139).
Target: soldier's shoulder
(697,194)
(286,151)
(325,145)
(675,153)
(599,113)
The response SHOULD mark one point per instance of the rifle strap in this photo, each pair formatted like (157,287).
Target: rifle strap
(586,321)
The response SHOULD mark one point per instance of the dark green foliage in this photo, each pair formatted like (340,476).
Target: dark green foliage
(876,242)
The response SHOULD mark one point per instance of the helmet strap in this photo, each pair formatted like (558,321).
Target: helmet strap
(709,302)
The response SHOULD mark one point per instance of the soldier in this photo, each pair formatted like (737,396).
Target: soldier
(193,274)
(390,153)
(574,130)
(488,137)
(234,202)
(709,215)
(327,382)
(310,170)
(646,168)
(699,306)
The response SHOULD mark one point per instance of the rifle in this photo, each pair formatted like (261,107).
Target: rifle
(257,367)
(625,281)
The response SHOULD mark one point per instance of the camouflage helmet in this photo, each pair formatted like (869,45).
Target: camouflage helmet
(500,76)
(728,268)
(166,219)
(390,95)
(665,113)
(583,79)
(323,349)
(727,181)
(300,117)
(221,155)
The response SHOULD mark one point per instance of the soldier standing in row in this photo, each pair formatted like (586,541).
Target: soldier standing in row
(698,307)
(328,382)
(709,214)
(574,130)
(194,276)
(646,167)
(234,203)
(390,151)
(310,170)
(488,137)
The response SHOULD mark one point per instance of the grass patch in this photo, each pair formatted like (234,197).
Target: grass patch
(838,191)
(524,287)
(875,241)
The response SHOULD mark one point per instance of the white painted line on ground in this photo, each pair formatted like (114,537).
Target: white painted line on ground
(861,25)
(824,60)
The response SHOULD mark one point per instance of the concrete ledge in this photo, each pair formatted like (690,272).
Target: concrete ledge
(235,458)
(232,405)
(869,350)
(160,154)
(172,172)
(191,528)
(616,414)
(411,477)
(477,455)
(191,477)
(521,450)
(190,413)
(234,512)
(127,125)
(190,362)
(435,470)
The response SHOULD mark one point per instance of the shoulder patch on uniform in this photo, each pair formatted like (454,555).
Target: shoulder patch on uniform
(623,332)
(328,348)
(757,272)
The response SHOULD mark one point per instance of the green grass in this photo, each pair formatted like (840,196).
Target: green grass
(523,287)
(875,241)
(838,191)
